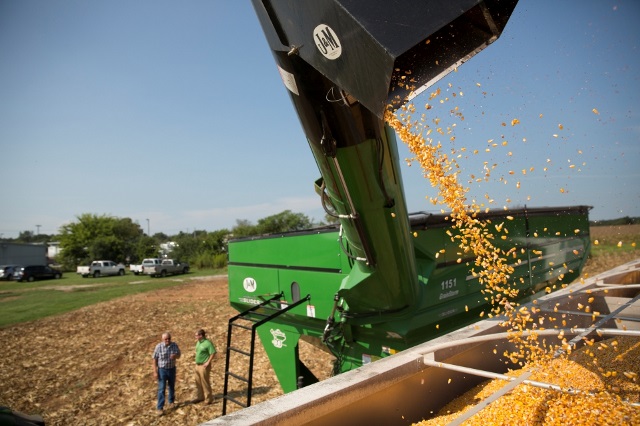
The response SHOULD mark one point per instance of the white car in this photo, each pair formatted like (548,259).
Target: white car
(100,268)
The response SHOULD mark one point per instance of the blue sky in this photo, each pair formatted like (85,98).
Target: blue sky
(175,112)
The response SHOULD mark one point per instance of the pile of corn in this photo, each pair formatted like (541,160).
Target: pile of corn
(606,385)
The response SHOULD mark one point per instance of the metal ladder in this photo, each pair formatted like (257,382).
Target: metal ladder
(250,320)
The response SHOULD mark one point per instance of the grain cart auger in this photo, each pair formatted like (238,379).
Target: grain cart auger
(379,281)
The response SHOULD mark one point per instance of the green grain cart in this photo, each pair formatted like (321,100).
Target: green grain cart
(381,280)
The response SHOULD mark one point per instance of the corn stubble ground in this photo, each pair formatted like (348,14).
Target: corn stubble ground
(93,366)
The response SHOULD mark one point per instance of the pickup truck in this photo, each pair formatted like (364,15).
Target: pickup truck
(100,268)
(167,267)
(139,269)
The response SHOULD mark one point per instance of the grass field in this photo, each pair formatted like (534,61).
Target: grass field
(612,246)
(26,301)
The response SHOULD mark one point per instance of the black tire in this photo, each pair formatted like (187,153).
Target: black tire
(121,272)
(57,276)
(96,274)
(163,273)
(30,279)
(185,271)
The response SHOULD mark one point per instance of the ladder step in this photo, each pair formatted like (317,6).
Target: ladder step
(228,398)
(269,309)
(244,379)
(232,348)
(240,326)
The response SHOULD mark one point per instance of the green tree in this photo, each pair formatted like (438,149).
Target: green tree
(244,228)
(146,247)
(161,237)
(94,237)
(31,237)
(284,222)
(216,241)
(186,246)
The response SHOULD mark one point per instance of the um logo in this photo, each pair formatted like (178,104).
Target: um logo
(327,42)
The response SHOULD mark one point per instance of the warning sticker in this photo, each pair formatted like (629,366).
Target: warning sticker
(289,81)
(311,311)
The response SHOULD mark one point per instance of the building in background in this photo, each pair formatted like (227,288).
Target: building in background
(23,254)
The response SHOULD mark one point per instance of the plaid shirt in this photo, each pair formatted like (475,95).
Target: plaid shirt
(162,352)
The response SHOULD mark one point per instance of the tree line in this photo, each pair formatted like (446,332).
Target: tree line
(92,237)
(615,222)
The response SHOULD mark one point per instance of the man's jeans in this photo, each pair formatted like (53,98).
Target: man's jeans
(166,375)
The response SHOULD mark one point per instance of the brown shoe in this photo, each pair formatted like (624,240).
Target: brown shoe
(195,401)
(159,413)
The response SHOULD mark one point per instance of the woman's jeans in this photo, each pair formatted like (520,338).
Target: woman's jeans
(166,375)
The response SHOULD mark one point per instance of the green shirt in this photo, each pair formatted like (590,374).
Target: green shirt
(204,349)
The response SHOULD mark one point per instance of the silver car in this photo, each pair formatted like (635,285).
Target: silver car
(7,272)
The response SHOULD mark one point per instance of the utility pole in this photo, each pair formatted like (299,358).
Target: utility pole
(38,230)
(148,228)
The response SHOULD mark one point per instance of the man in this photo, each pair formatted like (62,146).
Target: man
(205,353)
(164,369)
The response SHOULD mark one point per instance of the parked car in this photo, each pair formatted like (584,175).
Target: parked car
(167,267)
(100,268)
(139,269)
(7,272)
(37,272)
